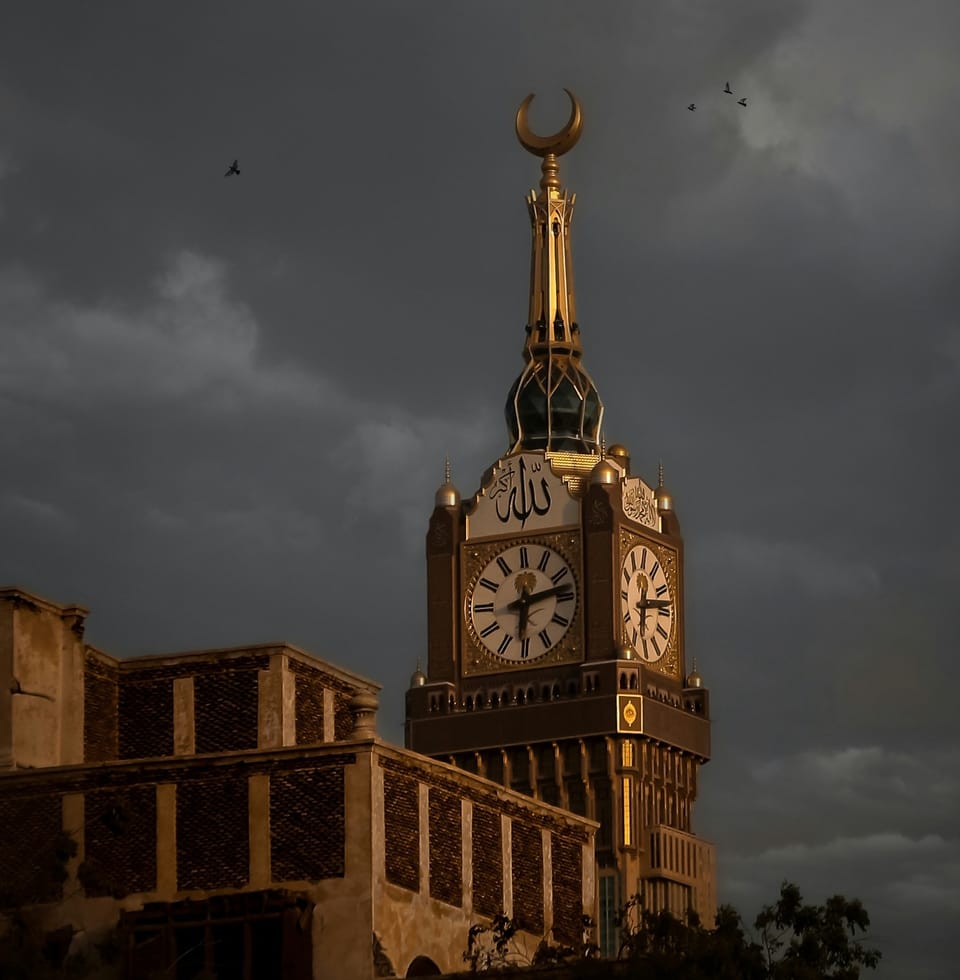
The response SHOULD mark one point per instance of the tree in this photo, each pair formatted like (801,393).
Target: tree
(795,942)
(814,942)
(663,946)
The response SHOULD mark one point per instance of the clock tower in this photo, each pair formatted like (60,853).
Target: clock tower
(556,662)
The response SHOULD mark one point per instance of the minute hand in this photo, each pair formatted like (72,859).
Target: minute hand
(645,603)
(537,596)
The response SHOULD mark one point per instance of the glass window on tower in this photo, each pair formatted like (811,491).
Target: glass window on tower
(609,945)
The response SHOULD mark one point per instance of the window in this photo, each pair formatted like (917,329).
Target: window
(609,947)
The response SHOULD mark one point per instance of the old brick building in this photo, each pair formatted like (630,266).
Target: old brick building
(234,811)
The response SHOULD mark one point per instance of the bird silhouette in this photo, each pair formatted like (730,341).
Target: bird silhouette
(15,688)
(234,169)
(727,89)
(692,107)
(741,102)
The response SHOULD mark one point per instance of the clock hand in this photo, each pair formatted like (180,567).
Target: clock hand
(653,603)
(530,598)
(524,617)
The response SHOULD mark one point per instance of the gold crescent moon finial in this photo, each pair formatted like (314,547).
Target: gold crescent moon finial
(557,144)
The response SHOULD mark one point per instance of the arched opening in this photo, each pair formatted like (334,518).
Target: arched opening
(623,682)
(423,966)
(633,682)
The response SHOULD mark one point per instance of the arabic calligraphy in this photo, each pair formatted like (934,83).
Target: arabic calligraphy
(519,495)
(638,505)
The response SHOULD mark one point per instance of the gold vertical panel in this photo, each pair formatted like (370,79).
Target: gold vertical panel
(627,752)
(627,811)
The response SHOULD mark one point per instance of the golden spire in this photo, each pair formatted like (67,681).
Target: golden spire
(552,321)
(554,404)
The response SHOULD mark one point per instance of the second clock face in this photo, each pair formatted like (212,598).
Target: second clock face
(646,603)
(522,603)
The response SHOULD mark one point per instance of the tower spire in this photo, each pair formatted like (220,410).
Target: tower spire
(554,404)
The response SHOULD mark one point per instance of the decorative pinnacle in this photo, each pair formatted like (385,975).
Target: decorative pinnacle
(550,147)
(660,475)
(446,477)
(603,447)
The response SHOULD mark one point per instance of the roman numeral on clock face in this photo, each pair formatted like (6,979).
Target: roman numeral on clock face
(487,584)
(504,644)
(524,557)
(492,628)
(557,577)
(544,637)
(544,561)
(560,620)
(504,567)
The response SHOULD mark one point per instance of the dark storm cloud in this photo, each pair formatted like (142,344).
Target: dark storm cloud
(226,403)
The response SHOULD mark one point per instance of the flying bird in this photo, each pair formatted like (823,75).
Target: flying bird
(741,101)
(727,89)
(692,107)
(234,169)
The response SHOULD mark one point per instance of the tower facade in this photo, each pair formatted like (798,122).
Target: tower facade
(556,662)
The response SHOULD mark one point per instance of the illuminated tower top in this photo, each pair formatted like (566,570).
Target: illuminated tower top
(554,404)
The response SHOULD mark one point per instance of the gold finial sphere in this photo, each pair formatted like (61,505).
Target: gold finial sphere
(557,144)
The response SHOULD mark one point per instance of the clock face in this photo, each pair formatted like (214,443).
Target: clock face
(522,603)
(646,603)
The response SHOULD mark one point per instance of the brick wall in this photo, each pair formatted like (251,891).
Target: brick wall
(309,705)
(99,710)
(213,846)
(307,824)
(145,717)
(446,847)
(487,861)
(567,866)
(343,720)
(401,830)
(225,710)
(31,870)
(527,852)
(311,682)
(120,841)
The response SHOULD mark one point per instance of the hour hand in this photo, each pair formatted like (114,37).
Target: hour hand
(524,617)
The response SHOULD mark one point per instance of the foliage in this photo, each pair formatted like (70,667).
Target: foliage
(669,947)
(26,955)
(795,942)
(810,942)
(497,946)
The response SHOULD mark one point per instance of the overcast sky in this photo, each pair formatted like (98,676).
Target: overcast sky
(225,403)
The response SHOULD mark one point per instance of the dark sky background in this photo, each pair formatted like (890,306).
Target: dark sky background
(225,404)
